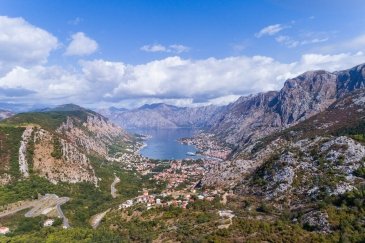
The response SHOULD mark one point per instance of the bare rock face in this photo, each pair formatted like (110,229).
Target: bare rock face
(226,174)
(94,135)
(245,118)
(253,117)
(316,221)
(23,163)
(350,80)
(70,166)
(308,161)
(304,96)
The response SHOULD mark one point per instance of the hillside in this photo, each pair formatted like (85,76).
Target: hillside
(57,144)
(165,116)
(256,116)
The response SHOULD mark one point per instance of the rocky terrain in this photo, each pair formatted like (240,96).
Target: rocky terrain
(58,143)
(165,116)
(256,116)
(316,157)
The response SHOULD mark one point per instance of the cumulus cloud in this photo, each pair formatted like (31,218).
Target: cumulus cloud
(291,42)
(174,80)
(270,30)
(287,41)
(175,48)
(23,44)
(81,45)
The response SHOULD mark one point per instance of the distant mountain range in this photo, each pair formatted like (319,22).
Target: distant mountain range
(5,114)
(165,116)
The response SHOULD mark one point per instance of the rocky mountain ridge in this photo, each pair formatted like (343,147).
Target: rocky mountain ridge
(58,143)
(165,116)
(256,116)
(318,157)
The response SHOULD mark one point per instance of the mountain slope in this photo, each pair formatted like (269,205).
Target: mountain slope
(165,116)
(58,144)
(319,155)
(253,117)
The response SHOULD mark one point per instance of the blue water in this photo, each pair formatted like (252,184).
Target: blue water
(163,143)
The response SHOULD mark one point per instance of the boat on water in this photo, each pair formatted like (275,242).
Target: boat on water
(191,153)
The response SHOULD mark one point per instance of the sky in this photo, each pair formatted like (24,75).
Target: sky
(182,52)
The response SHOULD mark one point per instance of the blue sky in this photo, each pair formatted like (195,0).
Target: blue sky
(127,53)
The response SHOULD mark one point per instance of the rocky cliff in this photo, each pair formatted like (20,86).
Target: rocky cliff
(318,157)
(57,144)
(252,117)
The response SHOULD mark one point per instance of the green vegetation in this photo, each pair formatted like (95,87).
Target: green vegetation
(86,199)
(73,235)
(48,120)
(360,172)
(10,138)
(57,148)
(30,152)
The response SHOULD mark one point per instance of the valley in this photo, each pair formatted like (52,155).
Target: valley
(279,166)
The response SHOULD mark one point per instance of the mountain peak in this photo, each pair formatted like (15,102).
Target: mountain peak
(68,107)
(156,106)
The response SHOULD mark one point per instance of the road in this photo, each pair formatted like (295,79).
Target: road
(60,212)
(41,206)
(17,209)
(113,190)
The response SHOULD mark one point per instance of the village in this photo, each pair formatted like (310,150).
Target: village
(208,146)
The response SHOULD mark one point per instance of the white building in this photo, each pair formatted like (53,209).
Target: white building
(4,230)
(126,204)
(48,222)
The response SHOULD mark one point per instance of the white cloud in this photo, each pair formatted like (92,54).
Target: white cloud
(175,48)
(75,21)
(270,30)
(287,41)
(81,45)
(101,70)
(23,44)
(291,42)
(174,80)
(153,48)
(212,79)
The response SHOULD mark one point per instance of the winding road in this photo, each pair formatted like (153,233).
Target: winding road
(41,206)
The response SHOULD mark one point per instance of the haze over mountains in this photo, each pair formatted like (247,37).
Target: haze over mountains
(165,116)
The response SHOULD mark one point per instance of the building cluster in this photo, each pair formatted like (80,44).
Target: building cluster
(208,146)
(169,198)
(134,161)
(180,172)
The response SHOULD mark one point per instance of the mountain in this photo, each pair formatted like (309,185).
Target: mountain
(305,168)
(5,114)
(58,144)
(165,116)
(255,116)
